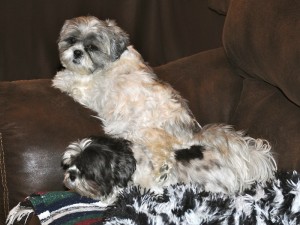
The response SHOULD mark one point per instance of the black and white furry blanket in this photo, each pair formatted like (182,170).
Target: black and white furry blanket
(276,203)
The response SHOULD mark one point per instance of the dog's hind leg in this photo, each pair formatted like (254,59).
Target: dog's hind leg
(159,148)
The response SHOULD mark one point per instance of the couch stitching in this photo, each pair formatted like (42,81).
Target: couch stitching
(3,178)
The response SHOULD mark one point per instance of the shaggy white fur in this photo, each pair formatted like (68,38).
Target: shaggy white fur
(104,73)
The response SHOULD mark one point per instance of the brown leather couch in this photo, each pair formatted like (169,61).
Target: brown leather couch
(252,82)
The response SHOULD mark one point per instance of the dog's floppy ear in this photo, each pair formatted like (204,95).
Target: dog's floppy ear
(73,150)
(124,169)
(119,40)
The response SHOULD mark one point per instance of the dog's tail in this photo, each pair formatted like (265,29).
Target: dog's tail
(251,160)
(261,163)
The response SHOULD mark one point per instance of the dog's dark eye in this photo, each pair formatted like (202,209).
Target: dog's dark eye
(65,166)
(91,48)
(71,40)
(72,175)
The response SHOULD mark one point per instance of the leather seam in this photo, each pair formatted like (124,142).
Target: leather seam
(3,178)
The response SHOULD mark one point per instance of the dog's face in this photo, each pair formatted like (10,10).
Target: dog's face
(87,44)
(97,167)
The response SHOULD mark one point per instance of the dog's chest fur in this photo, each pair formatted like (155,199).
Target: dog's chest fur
(128,97)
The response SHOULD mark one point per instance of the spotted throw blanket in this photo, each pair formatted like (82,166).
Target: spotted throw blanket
(276,203)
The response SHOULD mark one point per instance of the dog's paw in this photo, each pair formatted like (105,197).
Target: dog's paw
(76,93)
(164,172)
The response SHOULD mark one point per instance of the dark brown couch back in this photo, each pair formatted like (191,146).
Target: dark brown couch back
(161,30)
(261,40)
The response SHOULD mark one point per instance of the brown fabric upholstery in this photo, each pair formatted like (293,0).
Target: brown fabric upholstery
(264,43)
(265,112)
(208,81)
(161,30)
(250,83)
(220,6)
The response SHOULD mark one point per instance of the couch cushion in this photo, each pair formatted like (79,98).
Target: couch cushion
(208,82)
(262,38)
(37,122)
(265,113)
(220,7)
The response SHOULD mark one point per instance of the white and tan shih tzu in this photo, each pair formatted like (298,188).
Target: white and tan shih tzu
(100,167)
(105,73)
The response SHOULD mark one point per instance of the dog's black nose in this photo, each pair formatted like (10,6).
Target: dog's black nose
(77,54)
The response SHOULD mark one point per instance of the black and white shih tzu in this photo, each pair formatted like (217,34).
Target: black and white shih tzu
(105,73)
(99,167)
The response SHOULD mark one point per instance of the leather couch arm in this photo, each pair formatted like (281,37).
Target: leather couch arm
(37,122)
